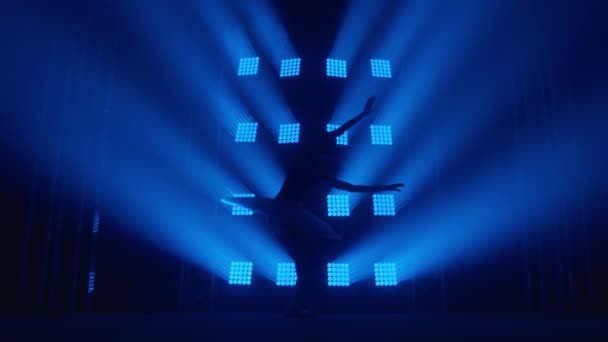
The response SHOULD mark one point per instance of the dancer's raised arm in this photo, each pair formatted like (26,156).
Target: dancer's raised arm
(367,110)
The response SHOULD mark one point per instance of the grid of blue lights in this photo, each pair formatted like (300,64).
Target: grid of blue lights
(342,139)
(381,135)
(290,67)
(384,205)
(243,195)
(338,274)
(91,287)
(96,222)
(240,273)
(338,205)
(238,210)
(385,274)
(241,211)
(286,274)
(289,133)
(336,68)
(381,68)
(246,132)
(248,66)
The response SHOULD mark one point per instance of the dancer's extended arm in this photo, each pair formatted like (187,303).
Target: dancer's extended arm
(342,185)
(369,108)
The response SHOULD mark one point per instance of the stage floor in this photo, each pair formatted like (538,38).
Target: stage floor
(274,327)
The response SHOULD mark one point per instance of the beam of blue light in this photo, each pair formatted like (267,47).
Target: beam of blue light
(151,175)
(258,166)
(216,95)
(268,30)
(359,21)
(163,188)
(159,213)
(232,40)
(188,224)
(479,214)
(413,96)
(226,30)
(360,158)
(398,41)
(265,172)
(404,27)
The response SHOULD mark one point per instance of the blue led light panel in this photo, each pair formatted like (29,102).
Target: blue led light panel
(290,67)
(248,66)
(338,205)
(341,140)
(91,287)
(96,222)
(381,135)
(246,132)
(381,68)
(336,68)
(289,133)
(338,274)
(240,273)
(384,205)
(244,195)
(385,274)
(286,274)
(237,210)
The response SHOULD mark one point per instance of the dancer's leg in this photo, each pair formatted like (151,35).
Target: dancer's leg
(310,256)
(305,255)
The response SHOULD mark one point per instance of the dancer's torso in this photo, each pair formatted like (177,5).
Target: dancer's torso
(303,185)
